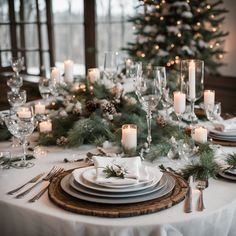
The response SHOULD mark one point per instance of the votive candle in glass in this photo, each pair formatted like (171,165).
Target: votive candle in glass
(209,97)
(129,137)
(45,126)
(200,135)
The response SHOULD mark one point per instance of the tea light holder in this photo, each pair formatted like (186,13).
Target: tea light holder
(199,134)
(45,126)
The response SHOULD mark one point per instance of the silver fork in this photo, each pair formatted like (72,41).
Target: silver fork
(46,178)
(38,195)
(201,185)
(33,180)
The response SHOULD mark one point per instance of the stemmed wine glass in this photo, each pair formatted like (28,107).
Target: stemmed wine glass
(17,64)
(149,94)
(16,99)
(192,76)
(21,125)
(15,82)
(111,63)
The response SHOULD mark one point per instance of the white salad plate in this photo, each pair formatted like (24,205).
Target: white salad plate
(90,176)
(154,174)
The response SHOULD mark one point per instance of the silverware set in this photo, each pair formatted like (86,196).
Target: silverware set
(37,180)
(201,185)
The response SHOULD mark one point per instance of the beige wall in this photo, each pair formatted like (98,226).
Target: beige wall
(230,44)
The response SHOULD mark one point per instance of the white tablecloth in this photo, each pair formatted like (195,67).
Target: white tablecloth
(19,217)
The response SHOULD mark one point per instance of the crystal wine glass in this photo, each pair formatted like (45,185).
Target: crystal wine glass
(17,64)
(111,63)
(213,111)
(149,94)
(21,125)
(16,99)
(192,76)
(15,82)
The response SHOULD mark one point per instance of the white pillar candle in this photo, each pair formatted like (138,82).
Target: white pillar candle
(129,136)
(200,135)
(179,102)
(209,97)
(93,75)
(192,80)
(24,112)
(55,74)
(45,126)
(68,70)
(39,108)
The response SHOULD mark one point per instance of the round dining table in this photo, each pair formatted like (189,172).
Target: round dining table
(44,218)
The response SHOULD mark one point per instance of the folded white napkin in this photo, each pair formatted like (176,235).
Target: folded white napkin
(226,125)
(136,172)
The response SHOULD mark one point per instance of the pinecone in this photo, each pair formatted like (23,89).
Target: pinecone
(161,121)
(108,108)
(91,106)
(62,141)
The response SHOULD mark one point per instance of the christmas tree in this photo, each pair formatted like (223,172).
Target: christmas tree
(168,31)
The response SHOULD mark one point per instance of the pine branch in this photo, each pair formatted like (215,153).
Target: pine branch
(231,160)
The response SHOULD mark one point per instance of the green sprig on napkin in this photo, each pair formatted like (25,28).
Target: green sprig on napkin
(117,171)
(231,160)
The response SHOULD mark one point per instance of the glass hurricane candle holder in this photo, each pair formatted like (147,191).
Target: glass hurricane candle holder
(192,77)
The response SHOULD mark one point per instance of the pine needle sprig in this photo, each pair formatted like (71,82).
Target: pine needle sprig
(115,171)
(231,160)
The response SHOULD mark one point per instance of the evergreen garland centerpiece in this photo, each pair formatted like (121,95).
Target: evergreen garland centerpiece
(169,30)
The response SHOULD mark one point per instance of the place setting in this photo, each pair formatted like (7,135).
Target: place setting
(126,184)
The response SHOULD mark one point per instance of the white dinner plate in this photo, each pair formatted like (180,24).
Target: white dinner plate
(153,171)
(224,138)
(227,176)
(89,191)
(65,185)
(231,171)
(223,133)
(90,176)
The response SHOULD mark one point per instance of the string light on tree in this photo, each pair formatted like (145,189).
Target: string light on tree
(195,25)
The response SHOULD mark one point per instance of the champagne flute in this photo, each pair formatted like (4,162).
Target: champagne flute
(192,76)
(21,125)
(148,93)
(111,63)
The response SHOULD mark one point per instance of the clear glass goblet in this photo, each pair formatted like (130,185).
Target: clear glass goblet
(17,64)
(15,82)
(213,111)
(21,125)
(149,94)
(16,99)
(192,76)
